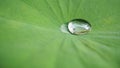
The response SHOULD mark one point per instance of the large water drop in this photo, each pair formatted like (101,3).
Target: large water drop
(79,26)
(76,27)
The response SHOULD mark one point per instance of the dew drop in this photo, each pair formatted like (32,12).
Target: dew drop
(79,26)
(64,28)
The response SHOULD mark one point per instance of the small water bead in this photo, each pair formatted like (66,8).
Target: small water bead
(79,26)
(64,28)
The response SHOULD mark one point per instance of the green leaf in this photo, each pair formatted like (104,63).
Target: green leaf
(30,35)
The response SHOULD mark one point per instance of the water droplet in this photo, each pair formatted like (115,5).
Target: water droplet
(79,26)
(64,28)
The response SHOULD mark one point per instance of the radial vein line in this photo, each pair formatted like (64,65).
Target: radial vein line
(81,59)
(69,9)
(30,5)
(36,26)
(52,10)
(37,10)
(95,42)
(62,43)
(106,32)
(98,42)
(106,36)
(91,47)
(59,50)
(61,10)
(79,6)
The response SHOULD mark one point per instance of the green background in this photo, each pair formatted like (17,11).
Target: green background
(30,35)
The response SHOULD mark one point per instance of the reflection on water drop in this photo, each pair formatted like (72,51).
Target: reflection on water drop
(79,26)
